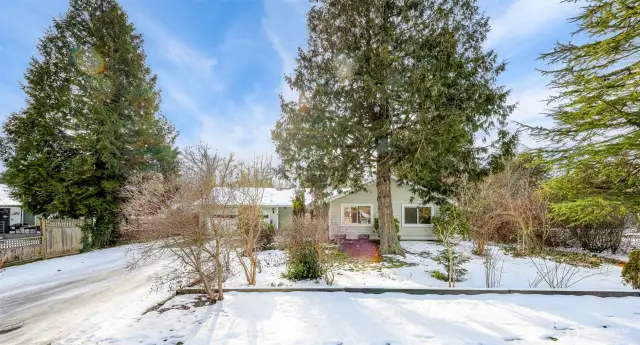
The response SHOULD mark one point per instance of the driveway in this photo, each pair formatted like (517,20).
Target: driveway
(67,297)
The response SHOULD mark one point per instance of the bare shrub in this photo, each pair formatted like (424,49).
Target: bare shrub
(493,267)
(506,207)
(185,217)
(557,275)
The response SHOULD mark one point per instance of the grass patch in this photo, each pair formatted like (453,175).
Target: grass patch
(580,259)
(425,254)
(393,262)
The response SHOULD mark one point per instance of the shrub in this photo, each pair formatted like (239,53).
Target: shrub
(449,226)
(631,270)
(597,224)
(267,237)
(439,275)
(396,224)
(304,262)
(507,206)
(306,242)
(455,258)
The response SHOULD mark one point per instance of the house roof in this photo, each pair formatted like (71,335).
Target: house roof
(268,196)
(5,197)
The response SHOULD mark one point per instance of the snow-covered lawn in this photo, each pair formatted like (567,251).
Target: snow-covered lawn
(327,318)
(413,271)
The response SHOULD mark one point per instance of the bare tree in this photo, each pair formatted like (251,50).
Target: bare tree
(493,267)
(186,217)
(250,220)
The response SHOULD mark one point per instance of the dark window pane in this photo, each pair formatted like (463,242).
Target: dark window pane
(354,215)
(425,215)
(411,215)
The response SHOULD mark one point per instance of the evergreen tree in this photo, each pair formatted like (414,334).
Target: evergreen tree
(91,118)
(596,110)
(388,87)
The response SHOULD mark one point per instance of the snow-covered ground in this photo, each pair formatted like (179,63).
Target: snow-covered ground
(349,318)
(72,296)
(413,271)
(93,299)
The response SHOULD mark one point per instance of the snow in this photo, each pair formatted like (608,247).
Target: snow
(71,296)
(270,196)
(517,272)
(352,318)
(92,299)
(5,197)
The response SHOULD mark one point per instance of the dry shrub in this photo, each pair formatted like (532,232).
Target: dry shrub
(2,261)
(493,267)
(506,207)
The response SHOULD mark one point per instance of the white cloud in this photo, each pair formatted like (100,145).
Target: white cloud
(526,18)
(530,93)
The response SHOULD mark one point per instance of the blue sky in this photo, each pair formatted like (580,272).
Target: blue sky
(220,62)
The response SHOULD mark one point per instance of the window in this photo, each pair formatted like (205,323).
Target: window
(416,215)
(357,214)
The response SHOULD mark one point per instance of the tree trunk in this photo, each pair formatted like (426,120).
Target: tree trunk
(389,243)
(219,267)
(319,209)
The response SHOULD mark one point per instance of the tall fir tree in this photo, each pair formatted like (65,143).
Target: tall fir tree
(596,110)
(391,86)
(92,116)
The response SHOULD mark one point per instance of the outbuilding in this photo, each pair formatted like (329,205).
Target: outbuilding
(11,213)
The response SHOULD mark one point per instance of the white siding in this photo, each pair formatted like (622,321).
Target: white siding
(399,196)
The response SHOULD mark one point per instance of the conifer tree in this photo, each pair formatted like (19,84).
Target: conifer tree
(393,87)
(596,110)
(92,117)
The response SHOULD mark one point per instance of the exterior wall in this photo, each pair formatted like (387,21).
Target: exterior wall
(14,216)
(399,196)
(267,211)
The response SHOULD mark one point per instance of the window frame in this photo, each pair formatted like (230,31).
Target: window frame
(342,206)
(403,224)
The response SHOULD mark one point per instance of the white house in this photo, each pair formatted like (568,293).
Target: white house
(353,214)
(276,203)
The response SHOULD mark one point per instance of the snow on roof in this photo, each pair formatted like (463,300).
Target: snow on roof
(269,196)
(5,197)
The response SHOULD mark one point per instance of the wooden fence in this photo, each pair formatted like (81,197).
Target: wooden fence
(59,237)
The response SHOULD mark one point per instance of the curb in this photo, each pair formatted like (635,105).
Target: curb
(376,291)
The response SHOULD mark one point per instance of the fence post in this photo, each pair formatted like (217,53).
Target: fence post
(43,232)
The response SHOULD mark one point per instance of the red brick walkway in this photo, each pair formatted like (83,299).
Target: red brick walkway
(364,250)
